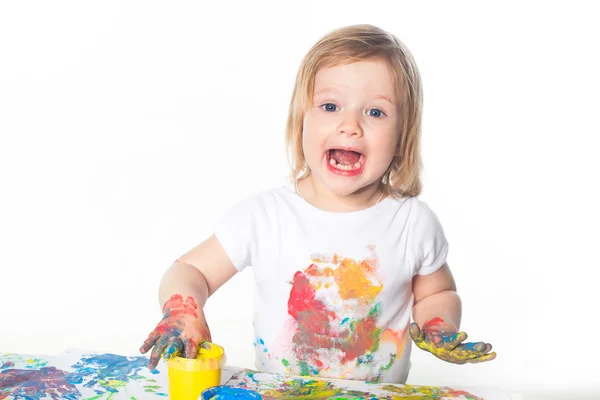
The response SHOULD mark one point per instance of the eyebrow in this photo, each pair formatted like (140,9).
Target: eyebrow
(326,90)
(385,98)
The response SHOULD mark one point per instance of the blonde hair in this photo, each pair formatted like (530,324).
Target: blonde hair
(361,43)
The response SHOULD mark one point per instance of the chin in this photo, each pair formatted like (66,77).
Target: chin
(342,191)
(340,187)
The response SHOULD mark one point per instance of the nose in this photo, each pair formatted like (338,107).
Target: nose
(350,125)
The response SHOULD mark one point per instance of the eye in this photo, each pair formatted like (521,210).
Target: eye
(375,112)
(329,107)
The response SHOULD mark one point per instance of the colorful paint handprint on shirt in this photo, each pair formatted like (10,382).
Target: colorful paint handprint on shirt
(335,314)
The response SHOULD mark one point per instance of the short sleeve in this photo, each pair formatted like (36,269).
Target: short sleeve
(430,245)
(235,232)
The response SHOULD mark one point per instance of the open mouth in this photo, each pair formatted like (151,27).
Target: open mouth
(345,160)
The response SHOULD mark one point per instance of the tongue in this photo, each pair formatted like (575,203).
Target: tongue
(345,157)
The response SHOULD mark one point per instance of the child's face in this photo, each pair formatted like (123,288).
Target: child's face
(355,109)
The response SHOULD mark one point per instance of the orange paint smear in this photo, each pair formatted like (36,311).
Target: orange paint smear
(353,283)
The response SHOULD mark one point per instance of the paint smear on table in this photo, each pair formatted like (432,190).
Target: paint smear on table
(78,375)
(282,386)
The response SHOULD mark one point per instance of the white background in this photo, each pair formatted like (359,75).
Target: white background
(128,127)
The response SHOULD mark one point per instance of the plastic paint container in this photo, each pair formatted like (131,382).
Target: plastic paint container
(227,392)
(188,378)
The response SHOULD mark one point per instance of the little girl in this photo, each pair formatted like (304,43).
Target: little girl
(344,255)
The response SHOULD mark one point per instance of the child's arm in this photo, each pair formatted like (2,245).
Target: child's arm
(198,273)
(437,314)
(183,292)
(435,296)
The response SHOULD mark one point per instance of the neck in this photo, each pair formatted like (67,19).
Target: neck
(319,196)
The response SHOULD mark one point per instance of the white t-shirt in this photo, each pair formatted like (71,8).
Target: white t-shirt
(333,291)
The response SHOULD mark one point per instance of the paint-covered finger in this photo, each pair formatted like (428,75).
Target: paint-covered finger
(474,347)
(149,342)
(191,349)
(454,340)
(467,356)
(466,351)
(174,348)
(159,347)
(483,358)
(416,334)
(477,350)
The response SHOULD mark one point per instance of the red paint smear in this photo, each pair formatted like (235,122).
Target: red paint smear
(177,307)
(304,306)
(181,320)
(14,377)
(312,319)
(433,324)
(361,340)
(313,327)
(34,384)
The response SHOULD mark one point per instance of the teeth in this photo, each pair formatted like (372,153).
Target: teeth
(342,167)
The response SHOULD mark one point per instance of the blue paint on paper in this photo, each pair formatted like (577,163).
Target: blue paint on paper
(227,392)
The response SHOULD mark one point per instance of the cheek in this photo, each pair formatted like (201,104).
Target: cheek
(385,146)
(306,136)
(318,124)
(312,137)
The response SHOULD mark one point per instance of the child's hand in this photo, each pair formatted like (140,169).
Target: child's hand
(180,331)
(448,346)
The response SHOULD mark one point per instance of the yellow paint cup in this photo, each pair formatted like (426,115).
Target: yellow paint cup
(188,378)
